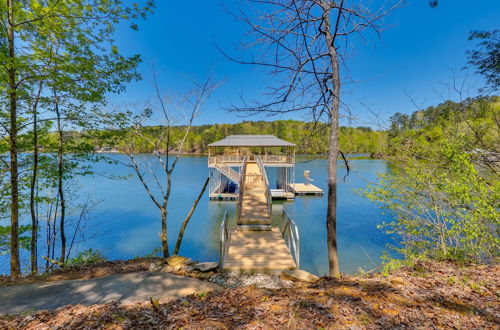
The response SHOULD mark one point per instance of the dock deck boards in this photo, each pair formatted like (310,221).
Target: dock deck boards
(254,246)
(306,189)
(258,252)
(254,208)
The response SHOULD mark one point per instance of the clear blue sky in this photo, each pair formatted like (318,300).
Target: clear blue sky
(416,54)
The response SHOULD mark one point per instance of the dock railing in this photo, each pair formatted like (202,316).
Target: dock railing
(223,159)
(238,159)
(224,240)
(290,233)
(269,197)
(277,159)
(241,186)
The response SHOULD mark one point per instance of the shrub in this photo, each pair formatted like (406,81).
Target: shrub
(86,257)
(443,208)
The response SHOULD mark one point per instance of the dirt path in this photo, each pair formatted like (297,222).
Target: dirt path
(126,288)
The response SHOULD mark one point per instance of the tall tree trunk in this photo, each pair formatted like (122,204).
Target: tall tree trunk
(15,267)
(60,179)
(34,216)
(188,217)
(331,217)
(164,241)
(164,237)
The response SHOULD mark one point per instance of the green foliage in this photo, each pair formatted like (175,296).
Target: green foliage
(423,130)
(486,57)
(85,258)
(24,240)
(352,139)
(443,208)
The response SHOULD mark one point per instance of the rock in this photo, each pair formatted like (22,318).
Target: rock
(299,275)
(187,268)
(155,266)
(179,272)
(178,260)
(206,266)
(167,269)
(204,276)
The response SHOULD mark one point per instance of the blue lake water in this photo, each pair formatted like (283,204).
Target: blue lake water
(125,223)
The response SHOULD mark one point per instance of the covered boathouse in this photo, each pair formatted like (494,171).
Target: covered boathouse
(227,156)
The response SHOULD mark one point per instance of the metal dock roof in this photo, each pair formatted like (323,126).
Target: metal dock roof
(251,141)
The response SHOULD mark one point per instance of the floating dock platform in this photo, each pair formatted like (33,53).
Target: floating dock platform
(297,189)
(302,189)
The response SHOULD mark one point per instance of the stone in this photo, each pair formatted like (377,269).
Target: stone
(204,276)
(298,275)
(167,269)
(155,266)
(178,260)
(206,266)
(187,268)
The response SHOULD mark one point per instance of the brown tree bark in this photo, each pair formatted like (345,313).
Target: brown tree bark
(164,241)
(331,217)
(60,179)
(15,267)
(34,217)
(188,217)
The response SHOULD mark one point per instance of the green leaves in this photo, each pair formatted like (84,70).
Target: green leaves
(24,239)
(443,208)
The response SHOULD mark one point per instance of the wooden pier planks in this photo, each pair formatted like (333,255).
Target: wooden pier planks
(258,252)
(254,205)
(306,189)
(255,247)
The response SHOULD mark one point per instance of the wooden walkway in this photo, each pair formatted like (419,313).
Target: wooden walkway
(258,252)
(254,246)
(306,189)
(254,205)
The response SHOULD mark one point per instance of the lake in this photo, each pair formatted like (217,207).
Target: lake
(125,223)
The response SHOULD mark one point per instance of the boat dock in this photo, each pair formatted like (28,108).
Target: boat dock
(225,160)
(255,246)
(303,189)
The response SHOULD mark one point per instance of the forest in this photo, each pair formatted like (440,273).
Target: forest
(475,117)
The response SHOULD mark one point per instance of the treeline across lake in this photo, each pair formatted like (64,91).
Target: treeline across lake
(475,117)
(309,138)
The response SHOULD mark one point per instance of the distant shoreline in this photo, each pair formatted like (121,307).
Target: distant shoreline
(353,155)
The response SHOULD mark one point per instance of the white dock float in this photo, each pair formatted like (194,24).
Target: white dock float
(303,189)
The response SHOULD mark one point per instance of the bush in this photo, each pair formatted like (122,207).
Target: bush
(85,258)
(442,208)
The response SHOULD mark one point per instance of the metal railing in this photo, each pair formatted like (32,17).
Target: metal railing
(235,159)
(229,172)
(269,198)
(290,233)
(241,186)
(224,240)
(225,159)
(277,159)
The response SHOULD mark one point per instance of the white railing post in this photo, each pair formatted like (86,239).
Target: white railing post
(224,240)
(291,231)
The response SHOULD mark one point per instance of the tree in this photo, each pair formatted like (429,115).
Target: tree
(167,143)
(486,58)
(443,208)
(25,25)
(303,43)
